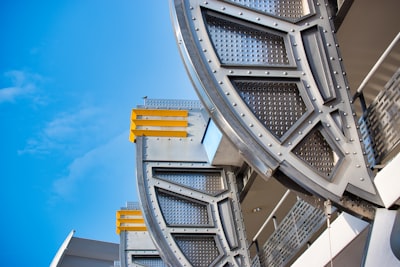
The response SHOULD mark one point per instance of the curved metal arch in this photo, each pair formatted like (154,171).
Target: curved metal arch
(191,208)
(209,32)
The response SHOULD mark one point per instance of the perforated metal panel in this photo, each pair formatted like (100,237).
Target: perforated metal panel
(293,232)
(291,10)
(182,211)
(380,123)
(201,251)
(238,44)
(270,73)
(148,261)
(277,104)
(315,150)
(208,182)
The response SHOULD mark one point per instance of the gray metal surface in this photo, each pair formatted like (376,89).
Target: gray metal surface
(275,84)
(380,123)
(191,208)
(296,229)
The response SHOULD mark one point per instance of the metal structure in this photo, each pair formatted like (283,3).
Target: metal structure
(273,71)
(276,106)
(136,246)
(191,207)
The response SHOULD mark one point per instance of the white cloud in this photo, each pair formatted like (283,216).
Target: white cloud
(69,132)
(112,160)
(23,84)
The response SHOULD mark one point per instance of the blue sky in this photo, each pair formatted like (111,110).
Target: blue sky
(70,73)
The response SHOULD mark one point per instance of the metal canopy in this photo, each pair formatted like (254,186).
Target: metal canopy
(270,74)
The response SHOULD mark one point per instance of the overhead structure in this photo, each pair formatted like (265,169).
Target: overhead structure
(272,161)
(271,76)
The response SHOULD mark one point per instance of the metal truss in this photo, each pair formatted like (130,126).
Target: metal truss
(271,76)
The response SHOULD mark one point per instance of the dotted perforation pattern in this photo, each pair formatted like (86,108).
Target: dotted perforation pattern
(237,44)
(199,250)
(291,10)
(316,151)
(276,104)
(180,211)
(149,261)
(207,182)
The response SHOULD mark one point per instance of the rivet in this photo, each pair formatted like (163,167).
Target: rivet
(204,50)
(362,179)
(267,72)
(242,114)
(231,71)
(220,82)
(285,73)
(303,73)
(279,154)
(223,8)
(214,71)
(275,24)
(257,18)
(337,139)
(234,104)
(249,72)
(292,30)
(240,13)
(308,86)
(259,135)
(193,18)
(269,145)
(307,23)
(226,93)
(328,125)
(251,125)
(209,61)
(358,166)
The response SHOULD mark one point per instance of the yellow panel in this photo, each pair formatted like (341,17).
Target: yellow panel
(159,112)
(128,212)
(129,221)
(132,228)
(161,133)
(163,123)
